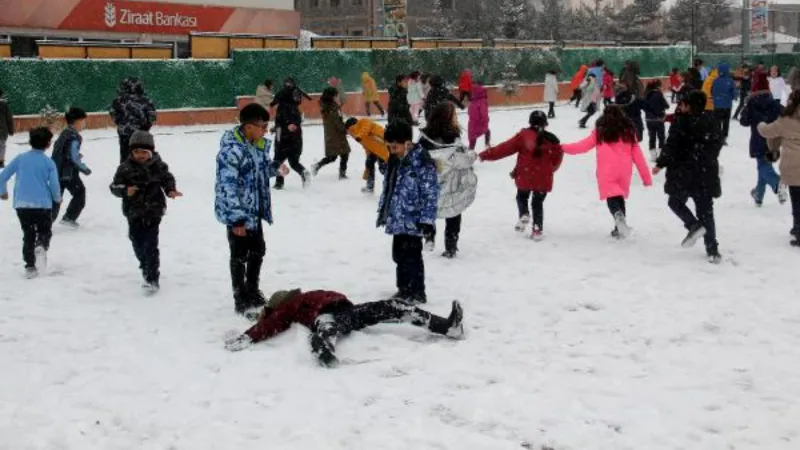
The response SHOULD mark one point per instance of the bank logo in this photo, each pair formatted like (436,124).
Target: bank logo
(111,15)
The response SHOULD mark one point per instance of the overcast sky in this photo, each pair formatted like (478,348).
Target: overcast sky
(739,2)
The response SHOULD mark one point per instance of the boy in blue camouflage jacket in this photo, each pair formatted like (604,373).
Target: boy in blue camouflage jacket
(243,201)
(408,208)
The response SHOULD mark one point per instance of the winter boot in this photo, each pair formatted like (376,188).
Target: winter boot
(31,272)
(783,194)
(795,242)
(451,327)
(755,198)
(450,253)
(622,228)
(69,223)
(522,224)
(342,175)
(713,256)
(370,187)
(306,179)
(150,287)
(324,351)
(696,231)
(278,183)
(537,234)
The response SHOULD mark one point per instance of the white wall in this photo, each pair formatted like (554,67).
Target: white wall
(259,4)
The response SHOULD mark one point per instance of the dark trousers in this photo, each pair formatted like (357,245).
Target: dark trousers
(589,113)
(639,128)
(606,101)
(289,149)
(407,254)
(794,193)
(329,159)
(656,132)
(143,234)
(452,229)
(247,256)
(36,232)
(724,117)
(674,95)
(551,111)
(577,95)
(342,321)
(487,140)
(124,148)
(537,205)
(463,95)
(742,98)
(616,204)
(377,104)
(78,192)
(704,206)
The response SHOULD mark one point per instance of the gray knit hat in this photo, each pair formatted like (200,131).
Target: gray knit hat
(142,140)
(280,297)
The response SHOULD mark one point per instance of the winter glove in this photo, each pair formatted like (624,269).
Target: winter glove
(238,343)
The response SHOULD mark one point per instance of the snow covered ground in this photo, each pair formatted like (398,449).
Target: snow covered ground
(577,342)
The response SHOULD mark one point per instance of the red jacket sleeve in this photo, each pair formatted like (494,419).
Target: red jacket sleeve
(556,155)
(503,150)
(273,324)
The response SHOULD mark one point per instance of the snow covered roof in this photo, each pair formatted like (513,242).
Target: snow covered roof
(773,37)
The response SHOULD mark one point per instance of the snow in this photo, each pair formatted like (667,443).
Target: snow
(577,342)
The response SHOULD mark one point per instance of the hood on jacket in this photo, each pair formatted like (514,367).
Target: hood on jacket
(130,86)
(365,77)
(437,81)
(724,70)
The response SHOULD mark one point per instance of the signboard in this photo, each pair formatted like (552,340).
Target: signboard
(137,17)
(394,21)
(759,22)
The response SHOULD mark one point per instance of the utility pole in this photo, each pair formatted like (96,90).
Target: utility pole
(745,27)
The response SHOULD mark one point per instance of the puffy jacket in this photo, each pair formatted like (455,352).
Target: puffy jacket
(264,96)
(370,88)
(532,172)
(655,106)
(370,135)
(410,194)
(478,112)
(707,85)
(153,179)
(66,155)
(438,94)
(590,93)
(335,132)
(691,155)
(608,85)
(785,133)
(6,120)
(398,104)
(288,102)
(723,89)
(760,107)
(633,109)
(578,78)
(458,183)
(550,88)
(615,161)
(303,308)
(242,182)
(37,183)
(132,110)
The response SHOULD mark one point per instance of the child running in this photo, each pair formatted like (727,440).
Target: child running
(370,135)
(655,111)
(36,189)
(478,113)
(539,156)
(589,99)
(336,145)
(617,151)
(141,183)
(69,163)
(691,158)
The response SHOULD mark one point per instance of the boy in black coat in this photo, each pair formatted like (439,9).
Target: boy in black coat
(655,110)
(438,94)
(69,163)
(399,109)
(288,123)
(691,158)
(632,105)
(142,182)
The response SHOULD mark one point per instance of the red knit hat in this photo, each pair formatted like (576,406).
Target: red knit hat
(760,81)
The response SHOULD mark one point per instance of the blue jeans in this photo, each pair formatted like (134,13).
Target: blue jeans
(766,177)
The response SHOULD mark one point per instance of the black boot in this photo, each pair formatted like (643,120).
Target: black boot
(324,351)
(256,298)
(278,183)
(451,326)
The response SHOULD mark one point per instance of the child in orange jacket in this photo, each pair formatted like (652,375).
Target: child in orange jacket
(370,135)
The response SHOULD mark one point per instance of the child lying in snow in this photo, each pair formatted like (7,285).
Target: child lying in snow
(330,315)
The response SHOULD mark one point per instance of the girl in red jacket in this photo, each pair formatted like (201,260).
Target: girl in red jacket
(539,155)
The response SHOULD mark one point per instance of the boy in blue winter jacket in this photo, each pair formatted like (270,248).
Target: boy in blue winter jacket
(69,163)
(723,91)
(408,208)
(36,189)
(243,201)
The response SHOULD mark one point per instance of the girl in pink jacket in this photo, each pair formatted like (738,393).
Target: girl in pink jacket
(479,116)
(617,151)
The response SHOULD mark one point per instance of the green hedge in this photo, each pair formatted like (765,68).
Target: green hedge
(92,84)
(783,60)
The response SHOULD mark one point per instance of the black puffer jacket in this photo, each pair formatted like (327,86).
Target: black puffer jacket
(655,106)
(132,110)
(398,104)
(691,156)
(438,94)
(153,179)
(288,102)
(633,109)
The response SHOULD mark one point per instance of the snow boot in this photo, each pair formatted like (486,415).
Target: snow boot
(695,233)
(429,245)
(455,325)
(278,184)
(522,224)
(622,228)
(537,235)
(306,179)
(150,287)
(367,190)
(31,272)
(69,223)
(783,194)
(795,242)
(713,256)
(450,253)
(324,351)
(755,198)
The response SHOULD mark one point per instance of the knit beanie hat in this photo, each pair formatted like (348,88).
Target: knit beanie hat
(697,101)
(142,140)
(280,297)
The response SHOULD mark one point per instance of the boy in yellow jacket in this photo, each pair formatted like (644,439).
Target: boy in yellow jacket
(370,135)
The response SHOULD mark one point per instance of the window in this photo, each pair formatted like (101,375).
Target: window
(313,3)
(335,3)
(356,32)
